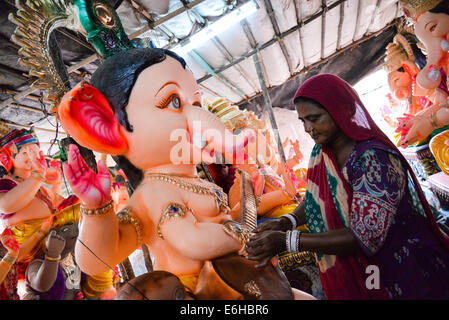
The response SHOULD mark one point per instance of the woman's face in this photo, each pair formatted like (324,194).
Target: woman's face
(317,122)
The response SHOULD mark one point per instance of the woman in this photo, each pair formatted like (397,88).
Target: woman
(361,207)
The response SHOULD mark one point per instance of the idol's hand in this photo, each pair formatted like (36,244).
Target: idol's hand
(37,160)
(264,246)
(54,173)
(9,242)
(55,244)
(418,129)
(94,189)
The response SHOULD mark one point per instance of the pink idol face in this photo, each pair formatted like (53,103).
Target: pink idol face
(400,84)
(434,25)
(120,195)
(156,112)
(27,154)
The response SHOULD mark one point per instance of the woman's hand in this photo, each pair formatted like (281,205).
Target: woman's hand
(274,225)
(9,242)
(265,245)
(94,189)
(55,244)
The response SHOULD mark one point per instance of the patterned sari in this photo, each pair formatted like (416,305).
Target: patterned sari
(378,198)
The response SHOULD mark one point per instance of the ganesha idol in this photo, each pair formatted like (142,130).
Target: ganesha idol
(180,217)
(431,24)
(24,201)
(259,160)
(143,107)
(401,62)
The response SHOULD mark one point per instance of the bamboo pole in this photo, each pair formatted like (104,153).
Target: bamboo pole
(277,32)
(268,106)
(272,41)
(336,53)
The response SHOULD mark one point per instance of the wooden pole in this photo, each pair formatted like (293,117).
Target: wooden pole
(268,106)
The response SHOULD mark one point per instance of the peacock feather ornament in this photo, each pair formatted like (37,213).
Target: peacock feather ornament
(37,19)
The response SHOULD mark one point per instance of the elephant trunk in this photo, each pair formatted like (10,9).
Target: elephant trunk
(430,76)
(208,132)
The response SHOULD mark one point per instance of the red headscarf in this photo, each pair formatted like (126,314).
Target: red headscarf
(351,116)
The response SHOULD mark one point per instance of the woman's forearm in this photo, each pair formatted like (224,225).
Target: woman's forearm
(335,242)
(300,213)
(20,196)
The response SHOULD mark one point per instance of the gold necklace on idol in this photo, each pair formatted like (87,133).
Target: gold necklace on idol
(213,190)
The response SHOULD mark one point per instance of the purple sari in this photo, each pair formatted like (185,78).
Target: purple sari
(390,227)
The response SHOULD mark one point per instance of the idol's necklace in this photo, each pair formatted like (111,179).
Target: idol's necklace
(213,190)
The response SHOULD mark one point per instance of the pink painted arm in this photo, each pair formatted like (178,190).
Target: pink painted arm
(421,126)
(105,238)
(20,196)
(94,189)
(8,241)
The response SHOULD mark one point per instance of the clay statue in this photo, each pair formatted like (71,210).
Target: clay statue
(258,160)
(157,132)
(431,23)
(156,285)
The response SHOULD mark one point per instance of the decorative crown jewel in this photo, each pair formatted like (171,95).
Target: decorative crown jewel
(229,114)
(414,8)
(398,51)
(18,138)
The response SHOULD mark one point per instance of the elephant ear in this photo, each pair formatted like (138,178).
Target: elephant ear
(6,159)
(87,116)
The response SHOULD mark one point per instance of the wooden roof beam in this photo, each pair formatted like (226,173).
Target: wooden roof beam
(94,57)
(274,40)
(277,32)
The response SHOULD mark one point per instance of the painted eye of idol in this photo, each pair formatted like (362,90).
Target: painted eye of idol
(167,97)
(173,102)
(430,26)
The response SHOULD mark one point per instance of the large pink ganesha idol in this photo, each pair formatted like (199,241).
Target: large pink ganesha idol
(144,108)
(431,22)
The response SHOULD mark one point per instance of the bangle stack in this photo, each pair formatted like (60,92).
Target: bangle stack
(98,211)
(292,240)
(293,220)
